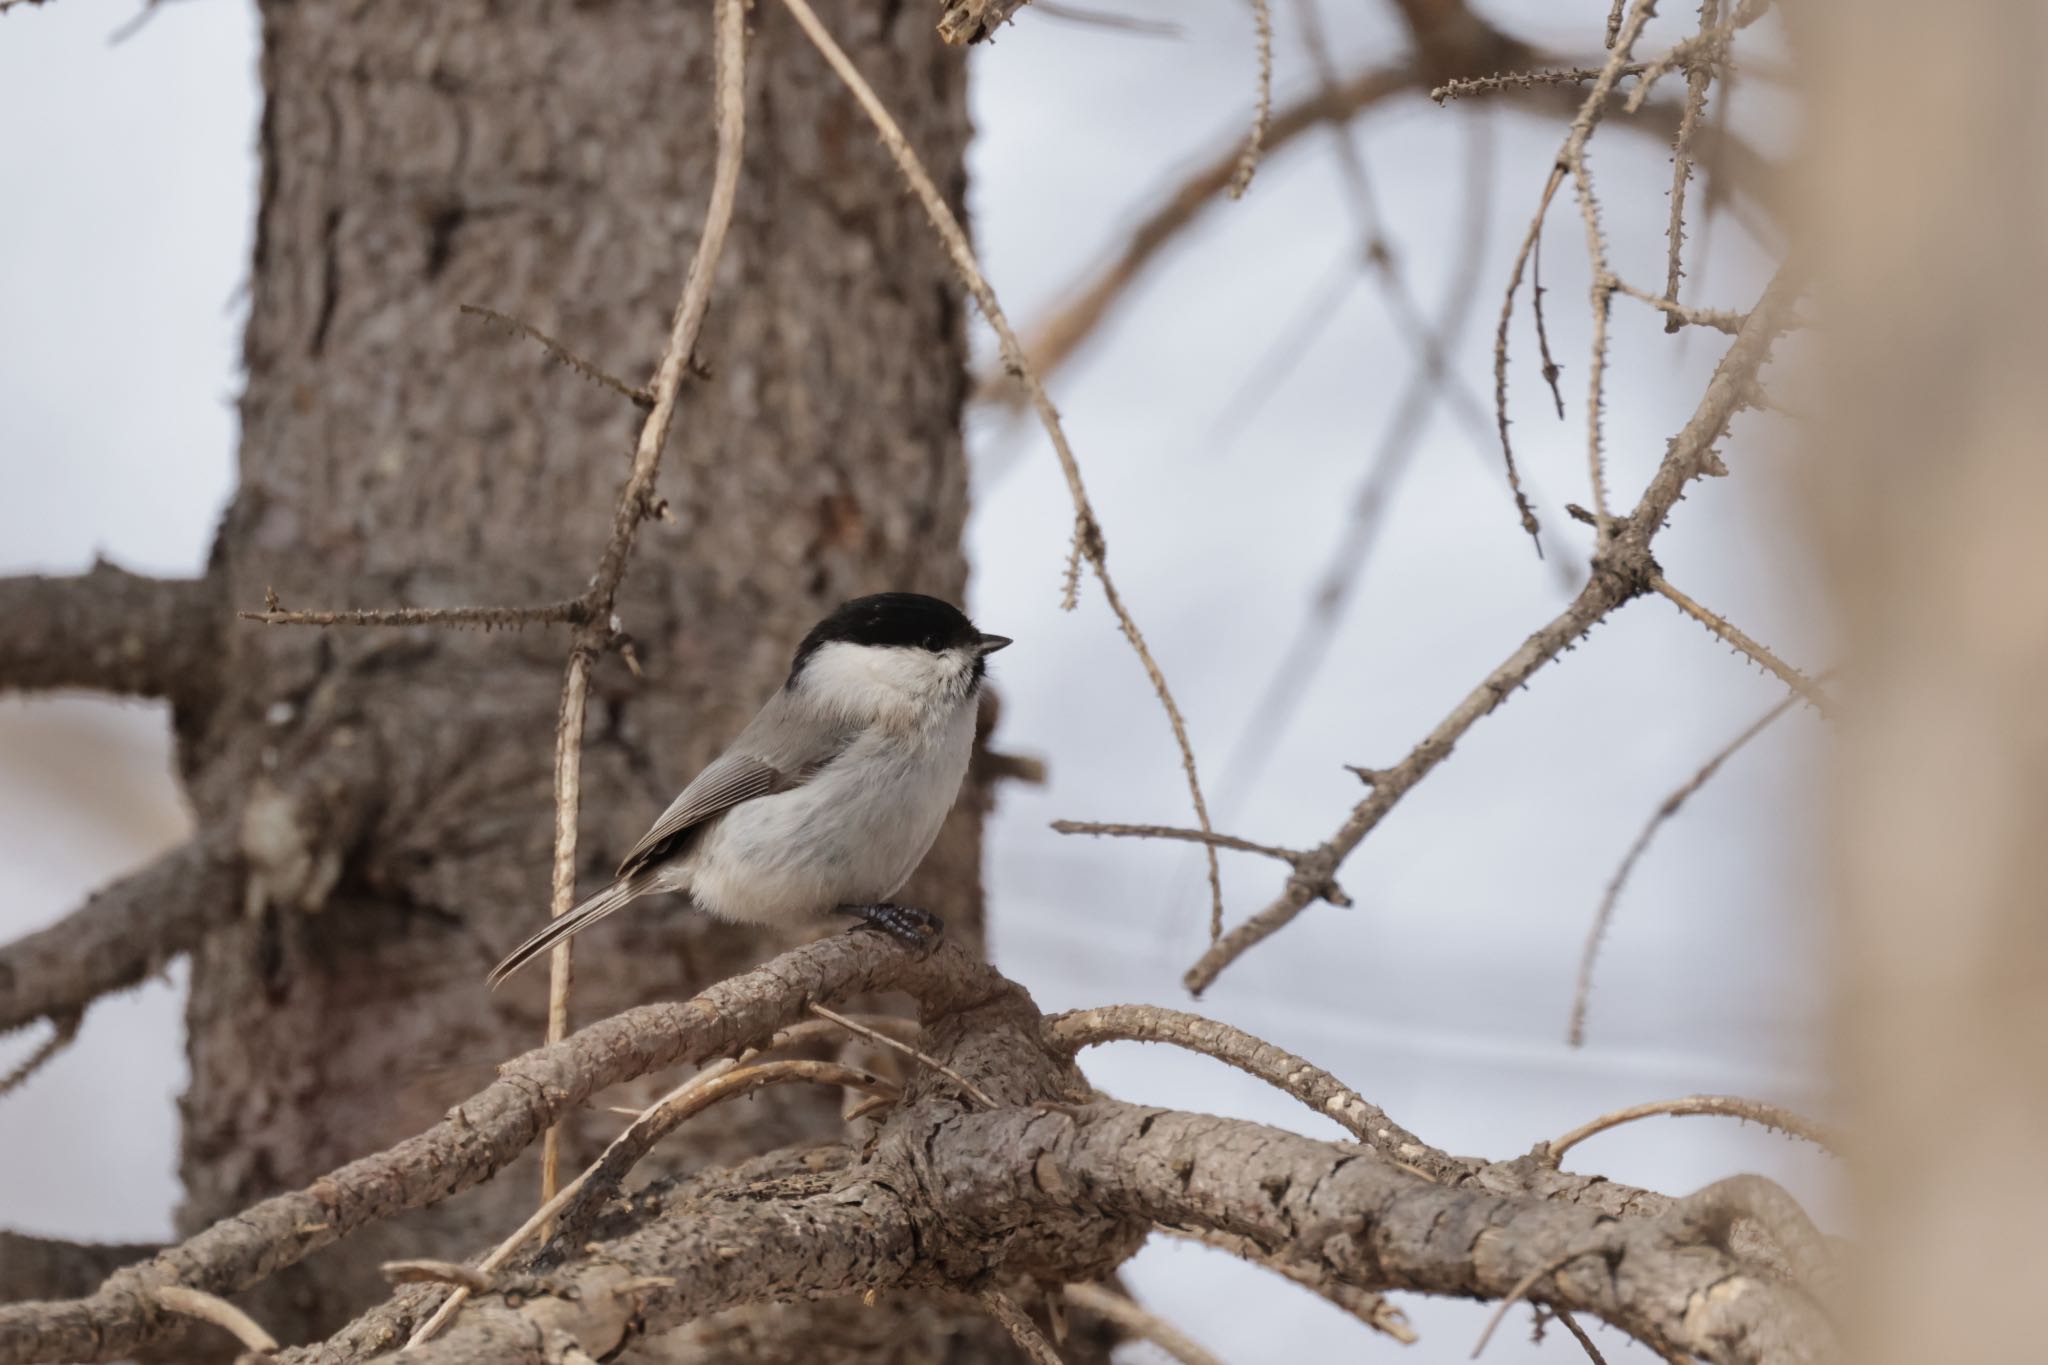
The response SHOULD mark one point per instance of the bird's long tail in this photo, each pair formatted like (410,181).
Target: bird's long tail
(567,926)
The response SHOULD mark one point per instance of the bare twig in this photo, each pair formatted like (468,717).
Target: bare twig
(1284,1071)
(197,1303)
(1582,992)
(1722,627)
(1571,1324)
(1621,572)
(1126,23)
(63,1032)
(1614,22)
(1677,315)
(1500,353)
(1019,1325)
(1088,542)
(638,396)
(1522,80)
(636,501)
(1191,836)
(1514,1295)
(1126,1315)
(1254,146)
(1697,79)
(571,612)
(1772,1116)
(416,1271)
(1573,159)
(974,1091)
(1551,369)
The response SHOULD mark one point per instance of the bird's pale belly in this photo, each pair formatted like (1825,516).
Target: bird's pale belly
(840,839)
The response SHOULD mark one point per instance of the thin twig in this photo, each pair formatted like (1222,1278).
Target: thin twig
(1551,369)
(1514,1296)
(873,1035)
(1500,354)
(1522,80)
(1125,23)
(1191,836)
(1677,315)
(1582,992)
(1088,542)
(1571,1324)
(1722,627)
(636,500)
(1614,23)
(1126,1315)
(572,611)
(197,1303)
(1697,79)
(1017,1323)
(63,1032)
(1262,117)
(1573,159)
(1276,1066)
(638,396)
(1775,1117)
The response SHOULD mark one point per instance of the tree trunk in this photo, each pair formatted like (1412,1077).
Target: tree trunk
(392,789)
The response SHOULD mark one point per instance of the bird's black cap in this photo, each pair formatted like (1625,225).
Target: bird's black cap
(908,620)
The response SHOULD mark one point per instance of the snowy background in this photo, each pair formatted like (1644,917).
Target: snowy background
(128,181)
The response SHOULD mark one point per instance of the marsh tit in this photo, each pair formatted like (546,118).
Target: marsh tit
(833,794)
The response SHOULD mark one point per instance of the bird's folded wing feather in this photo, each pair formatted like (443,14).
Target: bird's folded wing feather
(725,784)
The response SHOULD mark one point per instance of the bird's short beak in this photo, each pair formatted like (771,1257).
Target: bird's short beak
(991,643)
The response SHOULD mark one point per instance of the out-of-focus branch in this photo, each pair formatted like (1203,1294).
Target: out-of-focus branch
(1138,1322)
(46,1268)
(109,630)
(1582,991)
(1622,571)
(120,936)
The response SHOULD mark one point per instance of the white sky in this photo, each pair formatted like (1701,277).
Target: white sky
(128,185)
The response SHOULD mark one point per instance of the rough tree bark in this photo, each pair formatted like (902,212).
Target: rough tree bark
(390,791)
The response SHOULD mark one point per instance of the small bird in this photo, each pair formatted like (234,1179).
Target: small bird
(833,794)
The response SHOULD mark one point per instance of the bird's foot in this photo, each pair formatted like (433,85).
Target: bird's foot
(906,923)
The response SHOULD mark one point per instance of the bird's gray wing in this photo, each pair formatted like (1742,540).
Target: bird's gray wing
(742,773)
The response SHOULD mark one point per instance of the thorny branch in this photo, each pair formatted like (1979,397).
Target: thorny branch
(1622,571)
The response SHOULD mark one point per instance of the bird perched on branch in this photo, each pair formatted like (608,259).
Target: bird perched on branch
(833,794)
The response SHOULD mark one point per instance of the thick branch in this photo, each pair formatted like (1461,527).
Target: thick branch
(483,1134)
(1370,1224)
(120,937)
(693,1260)
(109,630)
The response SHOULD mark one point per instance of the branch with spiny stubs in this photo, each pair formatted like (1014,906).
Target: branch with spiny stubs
(1622,571)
